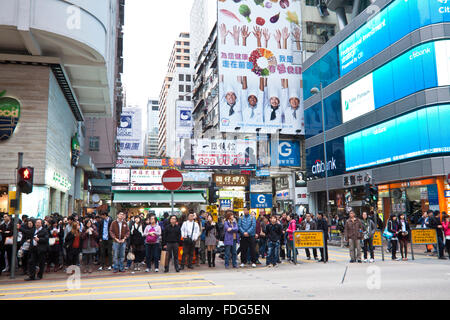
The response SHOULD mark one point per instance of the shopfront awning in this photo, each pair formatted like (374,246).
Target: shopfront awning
(158,197)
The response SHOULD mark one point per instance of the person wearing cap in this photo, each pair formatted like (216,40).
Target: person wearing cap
(252,103)
(294,118)
(230,110)
(272,106)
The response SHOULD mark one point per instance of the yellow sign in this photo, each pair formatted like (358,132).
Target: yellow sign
(12,196)
(377,239)
(423,236)
(308,239)
(213,211)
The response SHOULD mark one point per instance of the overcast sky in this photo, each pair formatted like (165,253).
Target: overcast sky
(151,27)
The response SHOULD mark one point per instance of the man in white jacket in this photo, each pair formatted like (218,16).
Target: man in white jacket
(190,232)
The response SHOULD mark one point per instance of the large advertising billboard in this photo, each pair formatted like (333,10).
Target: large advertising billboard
(129,132)
(259,81)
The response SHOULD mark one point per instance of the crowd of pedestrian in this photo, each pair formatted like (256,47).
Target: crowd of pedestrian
(129,243)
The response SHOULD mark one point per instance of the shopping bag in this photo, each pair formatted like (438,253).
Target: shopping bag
(164,259)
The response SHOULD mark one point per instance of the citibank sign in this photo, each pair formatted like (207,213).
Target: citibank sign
(319,166)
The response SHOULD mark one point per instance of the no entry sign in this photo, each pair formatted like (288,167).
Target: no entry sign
(172,180)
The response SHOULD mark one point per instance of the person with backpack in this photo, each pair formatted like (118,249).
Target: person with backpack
(368,233)
(152,234)
(394,228)
(137,242)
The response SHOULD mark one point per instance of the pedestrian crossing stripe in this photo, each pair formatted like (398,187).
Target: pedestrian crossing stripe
(101,293)
(174,296)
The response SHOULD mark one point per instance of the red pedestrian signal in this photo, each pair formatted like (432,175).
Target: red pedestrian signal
(25,179)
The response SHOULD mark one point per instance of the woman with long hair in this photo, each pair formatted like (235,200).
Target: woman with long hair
(27,230)
(137,242)
(394,228)
(231,239)
(403,236)
(89,236)
(55,245)
(212,237)
(152,234)
(73,244)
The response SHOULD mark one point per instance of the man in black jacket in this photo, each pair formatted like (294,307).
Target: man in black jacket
(274,233)
(171,237)
(38,251)
(435,223)
(105,241)
(322,224)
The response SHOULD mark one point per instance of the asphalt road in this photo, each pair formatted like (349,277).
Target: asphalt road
(424,278)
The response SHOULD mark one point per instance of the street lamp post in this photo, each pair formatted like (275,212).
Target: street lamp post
(315,91)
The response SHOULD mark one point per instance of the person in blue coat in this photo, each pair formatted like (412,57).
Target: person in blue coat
(247,228)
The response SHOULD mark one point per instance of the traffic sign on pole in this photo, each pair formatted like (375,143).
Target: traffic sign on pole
(172,180)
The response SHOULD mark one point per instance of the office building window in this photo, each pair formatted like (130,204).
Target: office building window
(179,65)
(94,143)
(187,51)
(186,65)
(181,98)
(181,77)
(181,88)
(188,88)
(188,78)
(188,98)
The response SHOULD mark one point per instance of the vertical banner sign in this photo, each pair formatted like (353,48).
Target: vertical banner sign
(259,83)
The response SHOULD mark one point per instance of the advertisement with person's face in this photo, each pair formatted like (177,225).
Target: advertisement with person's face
(259,84)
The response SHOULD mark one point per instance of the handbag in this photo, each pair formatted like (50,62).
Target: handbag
(386,234)
(152,238)
(130,256)
(189,240)
(164,259)
(9,241)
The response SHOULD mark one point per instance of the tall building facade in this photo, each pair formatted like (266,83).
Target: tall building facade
(386,103)
(199,27)
(60,72)
(179,58)
(317,26)
(151,139)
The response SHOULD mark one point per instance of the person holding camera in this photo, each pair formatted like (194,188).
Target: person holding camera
(190,232)
(403,236)
(89,237)
(368,232)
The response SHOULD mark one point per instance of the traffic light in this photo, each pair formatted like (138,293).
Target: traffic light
(374,194)
(213,195)
(367,192)
(25,179)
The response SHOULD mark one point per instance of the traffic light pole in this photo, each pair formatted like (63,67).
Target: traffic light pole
(16,219)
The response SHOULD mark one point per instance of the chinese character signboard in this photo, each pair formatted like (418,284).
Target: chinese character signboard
(261,186)
(308,239)
(146,176)
(222,180)
(139,162)
(225,204)
(120,175)
(259,83)
(218,154)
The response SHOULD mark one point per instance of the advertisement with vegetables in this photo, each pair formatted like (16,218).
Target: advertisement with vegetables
(259,80)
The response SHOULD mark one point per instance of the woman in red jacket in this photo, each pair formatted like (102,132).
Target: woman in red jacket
(446,227)
(290,238)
